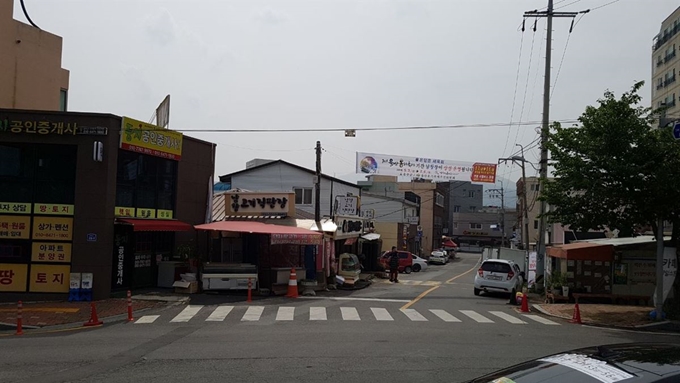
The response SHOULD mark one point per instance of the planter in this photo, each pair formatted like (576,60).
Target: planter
(565,291)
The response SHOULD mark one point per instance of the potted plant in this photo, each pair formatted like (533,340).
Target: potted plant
(187,253)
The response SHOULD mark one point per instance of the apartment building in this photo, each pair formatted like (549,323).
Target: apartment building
(666,65)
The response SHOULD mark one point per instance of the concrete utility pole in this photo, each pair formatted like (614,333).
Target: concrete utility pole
(521,161)
(317,187)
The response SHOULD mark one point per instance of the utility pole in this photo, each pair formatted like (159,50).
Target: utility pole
(501,193)
(521,161)
(549,13)
(317,187)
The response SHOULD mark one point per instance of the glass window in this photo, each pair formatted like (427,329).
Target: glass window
(145,181)
(63,100)
(303,196)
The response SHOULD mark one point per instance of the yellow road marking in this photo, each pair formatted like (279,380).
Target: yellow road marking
(421,296)
(460,275)
(43,309)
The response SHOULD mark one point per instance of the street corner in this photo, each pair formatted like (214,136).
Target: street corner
(606,315)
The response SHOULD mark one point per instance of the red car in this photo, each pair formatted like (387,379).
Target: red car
(405,261)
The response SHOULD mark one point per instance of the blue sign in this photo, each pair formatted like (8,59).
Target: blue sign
(91,237)
(676,131)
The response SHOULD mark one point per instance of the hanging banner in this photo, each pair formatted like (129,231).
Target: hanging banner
(670,269)
(426,168)
(142,137)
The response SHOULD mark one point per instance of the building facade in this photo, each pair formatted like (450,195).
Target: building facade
(666,65)
(396,219)
(30,70)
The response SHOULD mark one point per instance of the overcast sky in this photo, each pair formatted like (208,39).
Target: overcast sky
(323,64)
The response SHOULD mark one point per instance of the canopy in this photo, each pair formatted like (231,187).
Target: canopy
(156,224)
(280,235)
(449,243)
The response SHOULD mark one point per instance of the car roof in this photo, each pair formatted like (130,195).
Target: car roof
(499,261)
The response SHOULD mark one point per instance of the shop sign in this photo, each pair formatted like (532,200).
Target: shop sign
(15,226)
(259,203)
(142,137)
(87,281)
(15,208)
(145,213)
(122,211)
(643,271)
(13,277)
(142,260)
(163,214)
(483,173)
(348,227)
(50,278)
(368,213)
(51,252)
(296,239)
(347,205)
(121,264)
(74,281)
(52,209)
(475,233)
(413,220)
(54,228)
(38,127)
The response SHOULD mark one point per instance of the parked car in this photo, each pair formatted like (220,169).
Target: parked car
(625,363)
(419,264)
(405,261)
(439,257)
(498,275)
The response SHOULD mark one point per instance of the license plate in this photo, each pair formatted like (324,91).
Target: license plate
(495,277)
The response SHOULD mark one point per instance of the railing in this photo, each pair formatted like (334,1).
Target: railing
(669,57)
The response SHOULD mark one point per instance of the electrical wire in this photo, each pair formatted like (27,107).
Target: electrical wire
(514,96)
(559,68)
(604,5)
(23,7)
(566,5)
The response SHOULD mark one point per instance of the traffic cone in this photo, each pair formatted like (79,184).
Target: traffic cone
(576,318)
(94,320)
(525,303)
(292,285)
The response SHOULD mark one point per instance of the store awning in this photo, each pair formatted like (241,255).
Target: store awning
(582,251)
(449,243)
(371,236)
(280,235)
(351,241)
(155,224)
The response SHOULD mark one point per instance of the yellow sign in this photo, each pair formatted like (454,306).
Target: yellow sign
(146,213)
(50,278)
(13,277)
(15,208)
(164,214)
(52,209)
(15,227)
(51,252)
(122,211)
(53,228)
(141,137)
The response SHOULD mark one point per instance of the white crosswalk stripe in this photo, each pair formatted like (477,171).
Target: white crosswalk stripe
(147,319)
(285,313)
(187,314)
(381,314)
(219,314)
(541,320)
(349,313)
(414,315)
(507,317)
(477,317)
(445,316)
(253,314)
(317,313)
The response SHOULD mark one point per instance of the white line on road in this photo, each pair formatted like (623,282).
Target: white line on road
(381,314)
(542,320)
(414,315)
(285,313)
(147,319)
(349,313)
(358,299)
(253,314)
(317,313)
(445,316)
(507,317)
(187,314)
(476,316)
(219,314)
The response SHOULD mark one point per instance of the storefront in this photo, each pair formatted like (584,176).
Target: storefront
(77,188)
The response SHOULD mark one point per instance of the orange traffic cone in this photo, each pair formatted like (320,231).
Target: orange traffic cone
(525,303)
(94,320)
(292,285)
(576,318)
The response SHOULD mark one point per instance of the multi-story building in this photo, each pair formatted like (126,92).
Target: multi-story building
(666,65)
(30,70)
(395,219)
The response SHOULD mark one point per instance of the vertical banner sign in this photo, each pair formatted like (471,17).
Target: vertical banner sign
(163,113)
(670,269)
(121,263)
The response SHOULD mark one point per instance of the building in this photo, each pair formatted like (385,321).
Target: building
(483,227)
(665,64)
(85,193)
(465,197)
(30,70)
(396,219)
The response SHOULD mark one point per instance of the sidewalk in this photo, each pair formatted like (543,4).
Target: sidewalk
(601,314)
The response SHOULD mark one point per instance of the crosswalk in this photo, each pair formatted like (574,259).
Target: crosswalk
(346,313)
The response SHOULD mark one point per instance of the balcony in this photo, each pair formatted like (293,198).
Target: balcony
(669,57)
(669,81)
(659,63)
(661,40)
(659,86)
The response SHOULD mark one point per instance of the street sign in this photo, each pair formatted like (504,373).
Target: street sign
(676,131)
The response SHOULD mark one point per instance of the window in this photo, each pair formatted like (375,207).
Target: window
(475,226)
(439,200)
(63,100)
(303,196)
(145,181)
(536,187)
(456,209)
(473,208)
(471,194)
(535,224)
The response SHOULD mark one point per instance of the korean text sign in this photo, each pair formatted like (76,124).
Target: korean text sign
(53,228)
(50,278)
(51,252)
(141,137)
(15,227)
(13,277)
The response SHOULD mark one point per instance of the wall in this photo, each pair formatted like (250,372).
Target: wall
(387,209)
(388,234)
(665,59)
(425,190)
(30,69)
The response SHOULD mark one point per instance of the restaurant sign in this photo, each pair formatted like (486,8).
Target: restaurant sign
(257,203)
(296,239)
(145,138)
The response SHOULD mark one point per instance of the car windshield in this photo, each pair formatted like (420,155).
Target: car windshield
(540,371)
(496,267)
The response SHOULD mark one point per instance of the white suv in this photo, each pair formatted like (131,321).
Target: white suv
(499,275)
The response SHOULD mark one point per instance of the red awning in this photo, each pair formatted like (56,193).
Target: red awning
(449,243)
(351,241)
(156,224)
(280,235)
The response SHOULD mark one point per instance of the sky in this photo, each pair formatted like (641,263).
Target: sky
(325,64)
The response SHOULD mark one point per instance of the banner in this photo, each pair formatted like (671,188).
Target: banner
(141,137)
(426,168)
(670,269)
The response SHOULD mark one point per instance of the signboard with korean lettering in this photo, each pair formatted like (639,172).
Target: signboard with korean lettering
(52,209)
(142,137)
(53,228)
(642,271)
(13,277)
(164,214)
(145,213)
(57,252)
(435,169)
(15,208)
(41,127)
(124,211)
(87,280)
(15,227)
(348,227)
(50,278)
(347,205)
(257,203)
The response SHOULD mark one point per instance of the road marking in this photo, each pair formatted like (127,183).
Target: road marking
(187,314)
(317,313)
(414,315)
(253,314)
(357,299)
(476,316)
(419,297)
(507,317)
(542,320)
(285,313)
(460,275)
(445,316)
(381,314)
(147,319)
(219,314)
(349,313)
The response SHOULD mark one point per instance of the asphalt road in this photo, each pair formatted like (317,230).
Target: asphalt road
(445,334)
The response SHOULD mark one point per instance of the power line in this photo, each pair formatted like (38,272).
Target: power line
(514,96)
(559,68)
(23,8)
(604,5)
(566,5)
